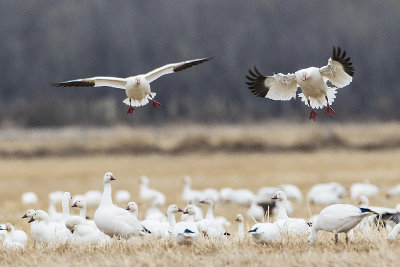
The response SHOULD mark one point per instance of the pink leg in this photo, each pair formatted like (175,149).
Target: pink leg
(329,110)
(155,103)
(130,109)
(313,114)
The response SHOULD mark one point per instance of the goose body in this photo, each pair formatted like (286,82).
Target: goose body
(312,82)
(338,218)
(264,232)
(12,238)
(137,88)
(113,220)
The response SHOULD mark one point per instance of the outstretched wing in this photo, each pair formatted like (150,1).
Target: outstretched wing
(339,70)
(276,87)
(173,67)
(94,82)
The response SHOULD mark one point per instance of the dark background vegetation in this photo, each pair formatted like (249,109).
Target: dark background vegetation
(56,40)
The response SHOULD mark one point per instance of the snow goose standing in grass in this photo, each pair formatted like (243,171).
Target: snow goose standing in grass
(285,224)
(215,226)
(48,231)
(312,82)
(186,232)
(137,88)
(326,194)
(240,221)
(188,193)
(113,220)
(122,196)
(338,218)
(54,198)
(149,194)
(366,189)
(29,198)
(93,198)
(13,238)
(28,214)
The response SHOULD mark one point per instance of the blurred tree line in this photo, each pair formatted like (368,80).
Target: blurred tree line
(56,40)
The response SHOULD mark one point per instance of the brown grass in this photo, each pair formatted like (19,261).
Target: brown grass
(237,170)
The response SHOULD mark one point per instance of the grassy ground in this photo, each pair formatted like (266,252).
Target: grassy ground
(78,174)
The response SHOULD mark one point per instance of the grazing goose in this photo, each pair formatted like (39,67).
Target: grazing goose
(137,88)
(338,218)
(29,198)
(285,224)
(186,232)
(12,238)
(113,220)
(240,221)
(312,82)
(149,194)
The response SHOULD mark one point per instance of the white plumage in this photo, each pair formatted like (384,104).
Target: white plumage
(312,81)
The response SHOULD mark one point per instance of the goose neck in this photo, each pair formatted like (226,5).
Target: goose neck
(282,214)
(106,198)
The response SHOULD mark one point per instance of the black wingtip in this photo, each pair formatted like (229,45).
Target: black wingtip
(340,57)
(256,83)
(191,64)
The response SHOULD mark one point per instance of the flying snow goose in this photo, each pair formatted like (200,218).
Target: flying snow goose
(137,88)
(113,220)
(338,218)
(312,81)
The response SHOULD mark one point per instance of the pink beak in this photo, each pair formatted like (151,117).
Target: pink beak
(304,77)
(138,81)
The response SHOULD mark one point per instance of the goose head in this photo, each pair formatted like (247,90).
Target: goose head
(187,180)
(132,207)
(138,80)
(208,201)
(239,218)
(39,215)
(174,209)
(279,196)
(108,177)
(144,180)
(190,210)
(79,203)
(363,201)
(28,213)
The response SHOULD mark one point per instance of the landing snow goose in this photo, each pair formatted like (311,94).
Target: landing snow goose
(137,88)
(12,238)
(113,220)
(312,82)
(338,218)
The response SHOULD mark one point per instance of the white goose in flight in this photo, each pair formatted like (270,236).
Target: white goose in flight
(137,88)
(312,82)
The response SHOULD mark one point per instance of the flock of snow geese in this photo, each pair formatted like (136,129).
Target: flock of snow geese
(110,221)
(312,81)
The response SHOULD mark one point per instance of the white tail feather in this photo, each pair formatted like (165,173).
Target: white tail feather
(320,102)
(139,103)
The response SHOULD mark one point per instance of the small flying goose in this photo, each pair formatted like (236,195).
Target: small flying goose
(312,81)
(137,88)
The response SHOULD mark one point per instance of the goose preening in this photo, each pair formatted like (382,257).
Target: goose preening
(137,88)
(12,238)
(312,82)
(113,220)
(338,218)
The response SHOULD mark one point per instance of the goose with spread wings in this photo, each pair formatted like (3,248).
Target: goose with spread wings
(312,82)
(137,88)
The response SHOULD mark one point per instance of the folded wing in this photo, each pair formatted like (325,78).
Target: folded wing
(173,67)
(340,70)
(94,82)
(276,87)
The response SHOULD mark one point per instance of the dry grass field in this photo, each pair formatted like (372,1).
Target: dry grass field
(37,163)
